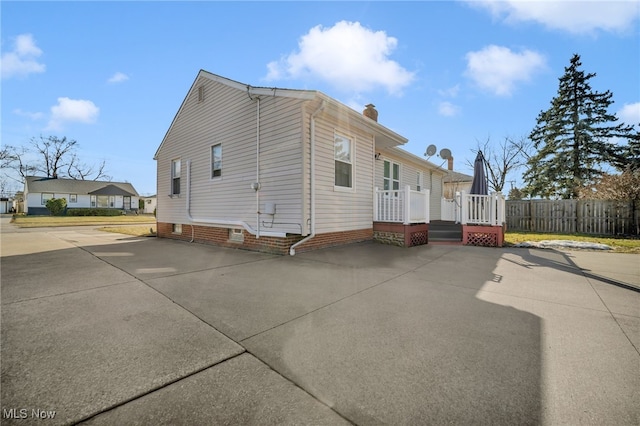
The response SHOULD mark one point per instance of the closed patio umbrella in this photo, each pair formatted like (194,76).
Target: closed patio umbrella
(479,184)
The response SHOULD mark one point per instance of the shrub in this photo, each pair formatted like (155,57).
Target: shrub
(93,212)
(56,206)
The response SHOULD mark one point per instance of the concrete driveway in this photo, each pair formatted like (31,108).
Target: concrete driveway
(102,328)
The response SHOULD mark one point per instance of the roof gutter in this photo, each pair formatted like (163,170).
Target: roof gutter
(223,223)
(312,178)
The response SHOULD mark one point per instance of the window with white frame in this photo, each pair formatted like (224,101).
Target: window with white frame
(45,197)
(176,228)
(343,156)
(93,201)
(216,161)
(419,183)
(175,177)
(73,198)
(391,176)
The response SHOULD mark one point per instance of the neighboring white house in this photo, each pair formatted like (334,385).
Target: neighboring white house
(6,204)
(78,193)
(150,204)
(456,182)
(277,169)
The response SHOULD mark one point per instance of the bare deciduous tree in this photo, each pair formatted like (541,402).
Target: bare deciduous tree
(51,157)
(500,160)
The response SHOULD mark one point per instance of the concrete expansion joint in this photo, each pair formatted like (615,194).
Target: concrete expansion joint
(614,318)
(293,382)
(67,292)
(159,387)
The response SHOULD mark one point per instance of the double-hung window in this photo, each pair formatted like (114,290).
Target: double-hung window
(391,178)
(420,183)
(216,161)
(46,197)
(343,156)
(175,177)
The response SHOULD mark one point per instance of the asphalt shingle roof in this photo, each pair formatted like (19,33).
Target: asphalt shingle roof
(73,186)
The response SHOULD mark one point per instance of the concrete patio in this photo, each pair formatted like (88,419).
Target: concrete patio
(107,329)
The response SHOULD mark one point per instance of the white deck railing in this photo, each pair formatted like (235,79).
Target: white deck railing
(401,205)
(481,209)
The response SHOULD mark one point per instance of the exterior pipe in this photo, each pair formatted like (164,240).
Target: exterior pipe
(258,167)
(312,172)
(220,222)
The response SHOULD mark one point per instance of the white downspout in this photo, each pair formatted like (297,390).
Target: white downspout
(257,188)
(312,177)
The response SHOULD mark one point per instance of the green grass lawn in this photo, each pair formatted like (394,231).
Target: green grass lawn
(138,231)
(44,221)
(619,245)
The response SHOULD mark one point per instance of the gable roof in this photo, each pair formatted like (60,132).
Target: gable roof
(111,189)
(383,135)
(73,186)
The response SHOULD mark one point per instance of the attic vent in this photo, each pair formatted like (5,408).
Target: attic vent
(201,94)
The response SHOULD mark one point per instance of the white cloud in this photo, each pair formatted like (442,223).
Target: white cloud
(346,55)
(31,115)
(451,92)
(447,109)
(498,69)
(72,110)
(567,15)
(118,77)
(22,60)
(630,114)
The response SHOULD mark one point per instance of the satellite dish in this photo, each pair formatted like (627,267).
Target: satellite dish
(431,149)
(445,154)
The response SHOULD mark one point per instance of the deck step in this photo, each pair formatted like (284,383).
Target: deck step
(445,231)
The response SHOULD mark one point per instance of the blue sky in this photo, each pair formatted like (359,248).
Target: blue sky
(112,75)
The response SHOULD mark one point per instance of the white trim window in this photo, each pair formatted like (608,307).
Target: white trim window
(216,161)
(44,197)
(175,177)
(73,198)
(94,200)
(391,176)
(343,155)
(420,183)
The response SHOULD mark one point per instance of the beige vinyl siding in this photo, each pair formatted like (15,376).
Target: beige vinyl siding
(343,209)
(227,116)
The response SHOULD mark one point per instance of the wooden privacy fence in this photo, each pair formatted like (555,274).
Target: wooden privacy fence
(601,217)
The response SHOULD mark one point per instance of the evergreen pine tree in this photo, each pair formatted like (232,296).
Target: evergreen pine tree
(573,138)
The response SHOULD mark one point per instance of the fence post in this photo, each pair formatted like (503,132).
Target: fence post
(407,204)
(376,214)
(427,199)
(464,208)
(493,206)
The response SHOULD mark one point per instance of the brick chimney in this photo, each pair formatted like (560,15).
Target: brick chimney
(450,164)
(370,111)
